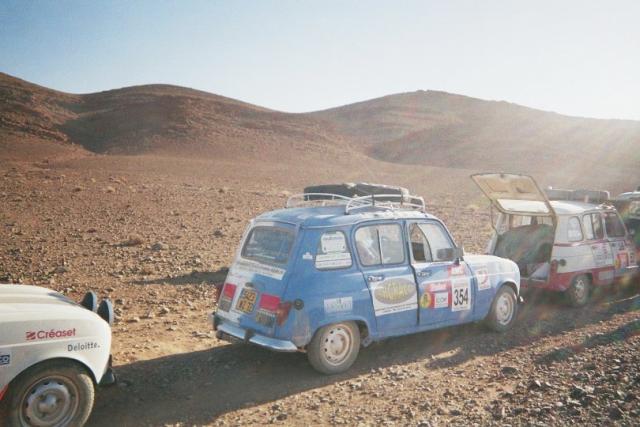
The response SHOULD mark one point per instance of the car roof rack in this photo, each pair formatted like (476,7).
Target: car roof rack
(587,196)
(359,196)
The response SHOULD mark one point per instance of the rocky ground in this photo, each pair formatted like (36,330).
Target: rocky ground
(154,236)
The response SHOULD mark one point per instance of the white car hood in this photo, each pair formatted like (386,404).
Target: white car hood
(37,302)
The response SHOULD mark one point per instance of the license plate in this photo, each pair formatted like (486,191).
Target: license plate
(247,300)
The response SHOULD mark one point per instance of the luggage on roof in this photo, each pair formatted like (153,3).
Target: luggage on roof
(587,196)
(359,189)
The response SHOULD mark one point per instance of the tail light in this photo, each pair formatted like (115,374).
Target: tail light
(283,312)
(271,308)
(226,297)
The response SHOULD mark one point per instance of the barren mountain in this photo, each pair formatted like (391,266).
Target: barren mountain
(155,118)
(427,129)
(447,130)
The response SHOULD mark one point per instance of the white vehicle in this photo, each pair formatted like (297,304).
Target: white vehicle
(562,240)
(53,352)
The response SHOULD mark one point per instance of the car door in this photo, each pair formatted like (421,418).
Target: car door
(446,287)
(385,266)
(617,238)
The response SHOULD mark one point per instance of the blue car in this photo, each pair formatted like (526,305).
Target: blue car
(345,265)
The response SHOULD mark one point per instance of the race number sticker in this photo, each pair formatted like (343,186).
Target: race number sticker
(482,275)
(461,295)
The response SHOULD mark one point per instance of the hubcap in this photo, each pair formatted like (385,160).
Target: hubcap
(504,309)
(51,402)
(580,289)
(336,345)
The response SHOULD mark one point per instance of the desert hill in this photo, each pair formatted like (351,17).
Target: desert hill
(155,118)
(447,130)
(427,129)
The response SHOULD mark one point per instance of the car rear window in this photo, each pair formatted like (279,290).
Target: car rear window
(613,225)
(270,245)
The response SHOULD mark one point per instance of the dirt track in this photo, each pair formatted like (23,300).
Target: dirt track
(153,235)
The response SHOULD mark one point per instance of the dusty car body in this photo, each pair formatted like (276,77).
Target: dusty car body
(52,353)
(565,245)
(334,271)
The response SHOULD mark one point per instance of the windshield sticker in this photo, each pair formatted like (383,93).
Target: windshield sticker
(482,275)
(5,357)
(333,260)
(333,242)
(394,295)
(244,266)
(461,295)
(336,305)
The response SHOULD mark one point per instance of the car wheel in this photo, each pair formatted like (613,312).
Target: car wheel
(334,348)
(504,310)
(55,393)
(579,292)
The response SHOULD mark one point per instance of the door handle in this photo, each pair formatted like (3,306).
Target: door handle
(372,279)
(424,273)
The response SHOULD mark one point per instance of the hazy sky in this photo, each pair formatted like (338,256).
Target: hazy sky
(573,57)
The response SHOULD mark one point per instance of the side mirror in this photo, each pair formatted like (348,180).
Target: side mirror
(450,254)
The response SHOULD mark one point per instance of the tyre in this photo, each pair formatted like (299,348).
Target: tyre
(50,394)
(334,348)
(579,292)
(504,310)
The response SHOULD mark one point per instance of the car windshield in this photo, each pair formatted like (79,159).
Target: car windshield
(268,244)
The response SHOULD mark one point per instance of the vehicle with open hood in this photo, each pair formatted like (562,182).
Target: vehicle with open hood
(53,352)
(562,240)
(346,265)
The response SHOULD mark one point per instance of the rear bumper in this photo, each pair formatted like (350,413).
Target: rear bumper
(232,333)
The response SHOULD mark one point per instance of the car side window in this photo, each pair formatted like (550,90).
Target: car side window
(438,239)
(574,231)
(380,244)
(596,221)
(588,227)
(613,225)
(419,245)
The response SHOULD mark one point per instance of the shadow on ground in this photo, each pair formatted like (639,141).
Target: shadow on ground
(193,278)
(197,387)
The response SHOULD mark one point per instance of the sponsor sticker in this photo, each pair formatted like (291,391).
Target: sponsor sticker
(333,260)
(439,286)
(394,295)
(333,241)
(461,295)
(441,300)
(456,270)
(50,334)
(5,358)
(307,256)
(425,300)
(622,260)
(244,267)
(83,346)
(606,275)
(482,275)
(336,305)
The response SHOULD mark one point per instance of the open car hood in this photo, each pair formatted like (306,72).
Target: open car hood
(513,193)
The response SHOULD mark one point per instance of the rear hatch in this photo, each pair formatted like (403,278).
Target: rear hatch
(252,296)
(513,193)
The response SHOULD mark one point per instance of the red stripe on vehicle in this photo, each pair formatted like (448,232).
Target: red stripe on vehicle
(3,391)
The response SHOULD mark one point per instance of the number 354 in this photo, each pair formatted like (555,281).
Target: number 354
(460,296)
